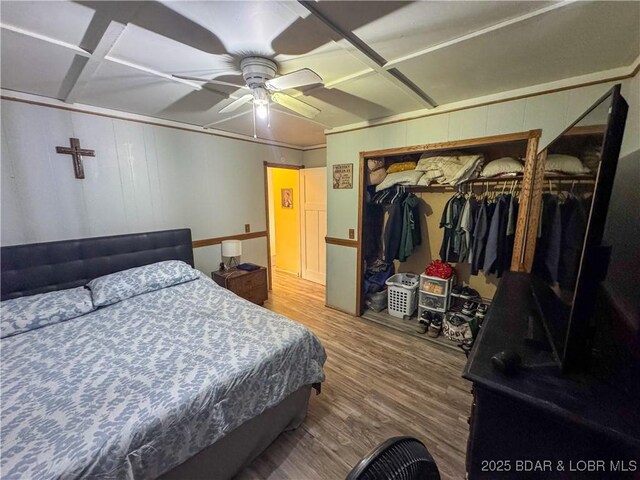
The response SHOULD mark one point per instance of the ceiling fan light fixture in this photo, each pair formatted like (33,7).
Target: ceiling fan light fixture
(261,111)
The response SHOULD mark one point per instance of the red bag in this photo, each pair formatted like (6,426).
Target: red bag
(439,269)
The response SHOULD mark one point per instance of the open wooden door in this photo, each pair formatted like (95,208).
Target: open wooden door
(313,199)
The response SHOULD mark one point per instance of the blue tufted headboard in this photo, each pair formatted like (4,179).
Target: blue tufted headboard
(45,267)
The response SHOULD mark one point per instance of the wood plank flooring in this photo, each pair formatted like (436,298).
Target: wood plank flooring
(379,383)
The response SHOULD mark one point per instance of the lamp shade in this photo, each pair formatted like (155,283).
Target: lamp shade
(231,248)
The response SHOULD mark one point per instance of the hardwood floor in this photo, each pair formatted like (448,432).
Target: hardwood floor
(379,383)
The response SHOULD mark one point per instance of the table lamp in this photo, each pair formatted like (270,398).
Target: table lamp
(231,249)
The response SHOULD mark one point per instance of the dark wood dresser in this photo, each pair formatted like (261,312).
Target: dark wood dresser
(250,285)
(537,422)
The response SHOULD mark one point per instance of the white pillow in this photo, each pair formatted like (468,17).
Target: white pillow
(28,313)
(118,286)
(408,177)
(502,165)
(557,162)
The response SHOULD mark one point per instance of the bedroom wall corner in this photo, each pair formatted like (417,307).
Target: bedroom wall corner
(314,158)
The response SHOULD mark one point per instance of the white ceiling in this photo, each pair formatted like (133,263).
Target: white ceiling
(376,58)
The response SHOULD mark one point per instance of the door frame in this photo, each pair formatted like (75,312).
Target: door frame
(265,166)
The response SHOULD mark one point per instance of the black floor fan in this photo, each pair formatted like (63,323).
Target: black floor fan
(398,458)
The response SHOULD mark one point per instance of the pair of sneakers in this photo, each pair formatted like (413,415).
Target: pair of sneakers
(430,323)
(465,292)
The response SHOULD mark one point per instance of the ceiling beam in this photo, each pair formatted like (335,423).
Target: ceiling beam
(151,71)
(75,82)
(60,43)
(371,58)
(391,64)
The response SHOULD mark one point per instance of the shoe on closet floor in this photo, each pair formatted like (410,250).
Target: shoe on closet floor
(456,289)
(422,327)
(426,317)
(469,308)
(482,310)
(469,293)
(436,326)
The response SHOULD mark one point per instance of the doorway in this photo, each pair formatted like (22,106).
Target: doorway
(297,220)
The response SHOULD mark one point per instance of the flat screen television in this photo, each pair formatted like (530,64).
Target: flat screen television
(570,260)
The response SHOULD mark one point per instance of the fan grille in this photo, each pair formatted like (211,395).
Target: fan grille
(404,458)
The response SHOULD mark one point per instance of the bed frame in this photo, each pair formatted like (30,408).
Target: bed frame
(45,267)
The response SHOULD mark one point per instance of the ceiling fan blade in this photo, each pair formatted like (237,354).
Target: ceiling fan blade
(207,80)
(295,79)
(237,103)
(298,106)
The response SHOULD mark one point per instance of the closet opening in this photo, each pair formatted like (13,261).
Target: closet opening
(411,216)
(471,209)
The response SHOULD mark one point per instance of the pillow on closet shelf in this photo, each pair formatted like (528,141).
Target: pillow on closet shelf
(431,162)
(557,162)
(425,180)
(401,167)
(409,177)
(457,169)
(377,176)
(375,164)
(432,175)
(502,165)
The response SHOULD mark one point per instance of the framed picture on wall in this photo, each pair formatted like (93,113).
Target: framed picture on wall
(343,175)
(286,197)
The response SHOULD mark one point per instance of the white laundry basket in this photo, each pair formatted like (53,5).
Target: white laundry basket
(402,296)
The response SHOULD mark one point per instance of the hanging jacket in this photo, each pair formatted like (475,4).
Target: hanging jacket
(411,236)
(393,232)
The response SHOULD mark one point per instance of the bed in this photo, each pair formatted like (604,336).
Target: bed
(185,381)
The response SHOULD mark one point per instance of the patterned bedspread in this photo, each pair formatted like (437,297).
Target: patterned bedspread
(136,388)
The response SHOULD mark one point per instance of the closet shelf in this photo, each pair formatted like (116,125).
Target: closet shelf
(498,181)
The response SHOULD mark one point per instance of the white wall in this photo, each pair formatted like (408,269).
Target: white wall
(551,112)
(143,178)
(314,158)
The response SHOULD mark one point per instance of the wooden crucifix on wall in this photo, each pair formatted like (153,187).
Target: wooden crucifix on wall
(76,153)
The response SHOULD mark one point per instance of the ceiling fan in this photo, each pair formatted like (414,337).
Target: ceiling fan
(265,85)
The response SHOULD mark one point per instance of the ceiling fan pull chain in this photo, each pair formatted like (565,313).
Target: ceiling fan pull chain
(254,120)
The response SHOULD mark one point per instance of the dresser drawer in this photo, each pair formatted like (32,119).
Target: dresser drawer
(257,279)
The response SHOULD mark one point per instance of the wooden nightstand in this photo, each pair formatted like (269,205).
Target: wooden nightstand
(249,285)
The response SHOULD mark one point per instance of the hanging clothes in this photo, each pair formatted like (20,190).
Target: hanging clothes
(450,248)
(480,232)
(510,234)
(467,221)
(574,214)
(496,236)
(392,232)
(411,236)
(547,255)
(372,224)
(402,230)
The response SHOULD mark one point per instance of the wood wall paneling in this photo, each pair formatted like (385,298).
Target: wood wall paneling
(144,177)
